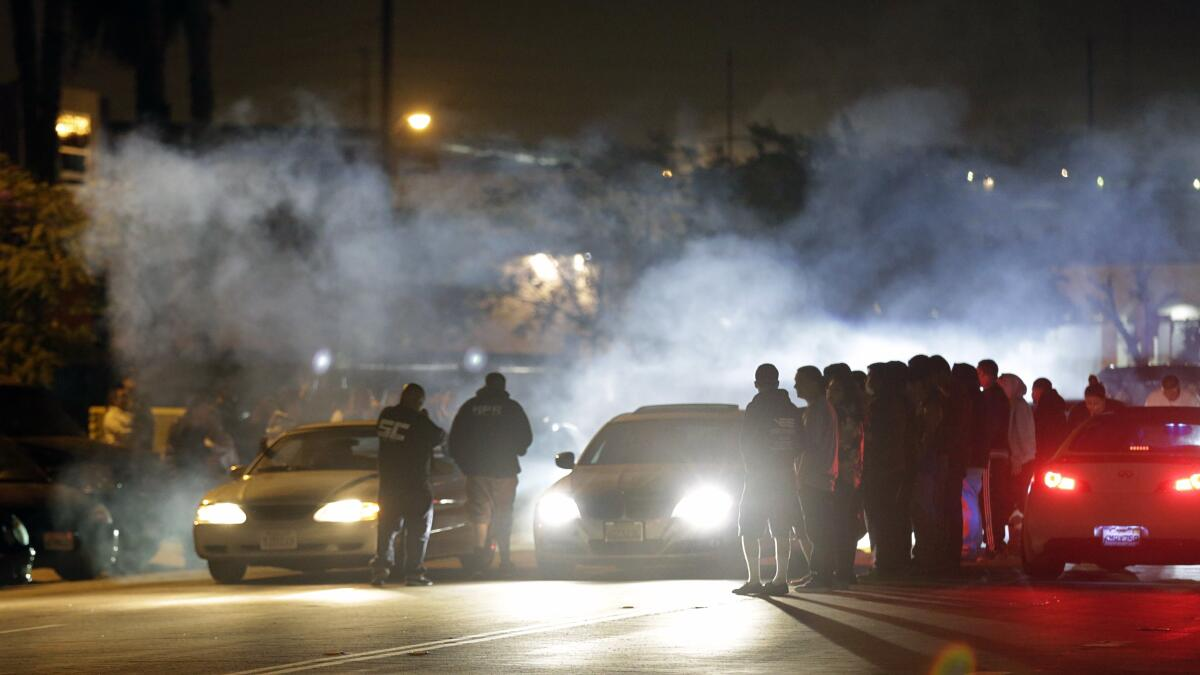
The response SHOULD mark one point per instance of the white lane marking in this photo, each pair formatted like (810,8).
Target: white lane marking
(455,642)
(25,630)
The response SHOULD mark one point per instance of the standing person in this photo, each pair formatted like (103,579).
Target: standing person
(847,401)
(1022,446)
(931,441)
(884,431)
(1172,395)
(817,474)
(768,446)
(1049,419)
(406,442)
(116,426)
(994,422)
(489,433)
(1095,402)
(965,471)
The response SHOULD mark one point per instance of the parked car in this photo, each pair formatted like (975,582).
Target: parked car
(16,555)
(71,531)
(310,502)
(128,483)
(659,485)
(1124,489)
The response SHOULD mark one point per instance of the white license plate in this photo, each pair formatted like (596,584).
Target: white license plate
(59,541)
(277,541)
(1120,535)
(624,531)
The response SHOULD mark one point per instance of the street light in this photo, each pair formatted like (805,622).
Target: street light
(418,121)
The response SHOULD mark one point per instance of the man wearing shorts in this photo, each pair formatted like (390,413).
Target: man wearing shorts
(489,433)
(768,507)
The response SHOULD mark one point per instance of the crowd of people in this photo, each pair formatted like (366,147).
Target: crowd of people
(893,452)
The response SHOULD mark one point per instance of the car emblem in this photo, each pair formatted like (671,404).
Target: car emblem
(1125,474)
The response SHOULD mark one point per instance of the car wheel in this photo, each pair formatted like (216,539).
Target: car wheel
(136,552)
(548,569)
(226,571)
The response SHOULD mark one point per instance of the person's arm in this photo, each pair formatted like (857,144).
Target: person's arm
(457,437)
(522,433)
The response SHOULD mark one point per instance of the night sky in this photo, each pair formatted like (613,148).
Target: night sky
(561,69)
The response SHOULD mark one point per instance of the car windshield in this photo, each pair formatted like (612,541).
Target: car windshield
(1119,436)
(326,450)
(678,441)
(15,468)
(29,411)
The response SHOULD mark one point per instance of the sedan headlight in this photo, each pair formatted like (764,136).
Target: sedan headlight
(347,511)
(219,513)
(557,509)
(706,507)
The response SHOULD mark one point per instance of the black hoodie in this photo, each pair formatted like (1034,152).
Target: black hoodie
(768,435)
(488,434)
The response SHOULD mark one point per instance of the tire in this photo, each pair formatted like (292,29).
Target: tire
(136,553)
(226,571)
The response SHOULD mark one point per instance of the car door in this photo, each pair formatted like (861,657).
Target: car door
(452,533)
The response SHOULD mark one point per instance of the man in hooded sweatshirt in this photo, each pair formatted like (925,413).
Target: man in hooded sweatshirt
(489,433)
(1049,418)
(884,458)
(1022,441)
(768,447)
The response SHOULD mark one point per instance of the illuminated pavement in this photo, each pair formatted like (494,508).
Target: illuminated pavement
(276,622)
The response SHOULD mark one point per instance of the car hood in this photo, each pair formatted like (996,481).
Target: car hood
(658,479)
(298,487)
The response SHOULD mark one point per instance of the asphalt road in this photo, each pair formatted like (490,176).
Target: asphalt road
(276,622)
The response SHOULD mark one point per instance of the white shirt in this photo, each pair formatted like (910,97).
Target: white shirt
(1187,399)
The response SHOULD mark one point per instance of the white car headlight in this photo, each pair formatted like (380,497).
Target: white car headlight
(557,509)
(706,507)
(347,511)
(219,513)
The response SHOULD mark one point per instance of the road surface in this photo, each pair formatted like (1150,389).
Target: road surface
(277,622)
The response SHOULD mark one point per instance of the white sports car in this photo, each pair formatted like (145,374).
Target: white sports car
(1124,489)
(310,502)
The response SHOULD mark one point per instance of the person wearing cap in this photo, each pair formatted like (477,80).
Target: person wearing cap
(768,446)
(487,436)
(407,439)
(1172,395)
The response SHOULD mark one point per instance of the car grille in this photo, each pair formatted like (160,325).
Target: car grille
(617,505)
(270,512)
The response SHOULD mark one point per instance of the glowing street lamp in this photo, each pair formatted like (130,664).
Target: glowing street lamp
(1100,182)
(418,121)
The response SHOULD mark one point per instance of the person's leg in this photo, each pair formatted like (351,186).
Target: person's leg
(752,551)
(817,517)
(479,511)
(972,488)
(504,495)
(418,521)
(751,523)
(952,517)
(386,527)
(852,505)
(1001,506)
(922,508)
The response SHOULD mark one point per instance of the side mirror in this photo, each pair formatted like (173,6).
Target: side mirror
(565,460)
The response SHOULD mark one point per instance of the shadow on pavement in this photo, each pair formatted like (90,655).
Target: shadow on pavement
(885,655)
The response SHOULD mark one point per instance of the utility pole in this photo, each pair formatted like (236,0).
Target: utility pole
(385,88)
(1090,75)
(729,105)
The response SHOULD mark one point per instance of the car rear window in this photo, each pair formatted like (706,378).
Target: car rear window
(1129,436)
(664,442)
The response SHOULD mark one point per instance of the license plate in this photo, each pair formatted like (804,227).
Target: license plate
(59,541)
(624,531)
(277,541)
(1120,535)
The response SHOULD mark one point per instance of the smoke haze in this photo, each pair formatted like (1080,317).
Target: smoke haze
(275,245)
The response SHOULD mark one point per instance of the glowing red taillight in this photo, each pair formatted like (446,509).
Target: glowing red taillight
(1188,484)
(1056,481)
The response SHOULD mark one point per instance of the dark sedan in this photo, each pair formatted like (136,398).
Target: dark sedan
(71,531)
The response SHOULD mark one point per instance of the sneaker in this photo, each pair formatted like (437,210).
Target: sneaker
(749,588)
(507,567)
(418,580)
(775,589)
(378,579)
